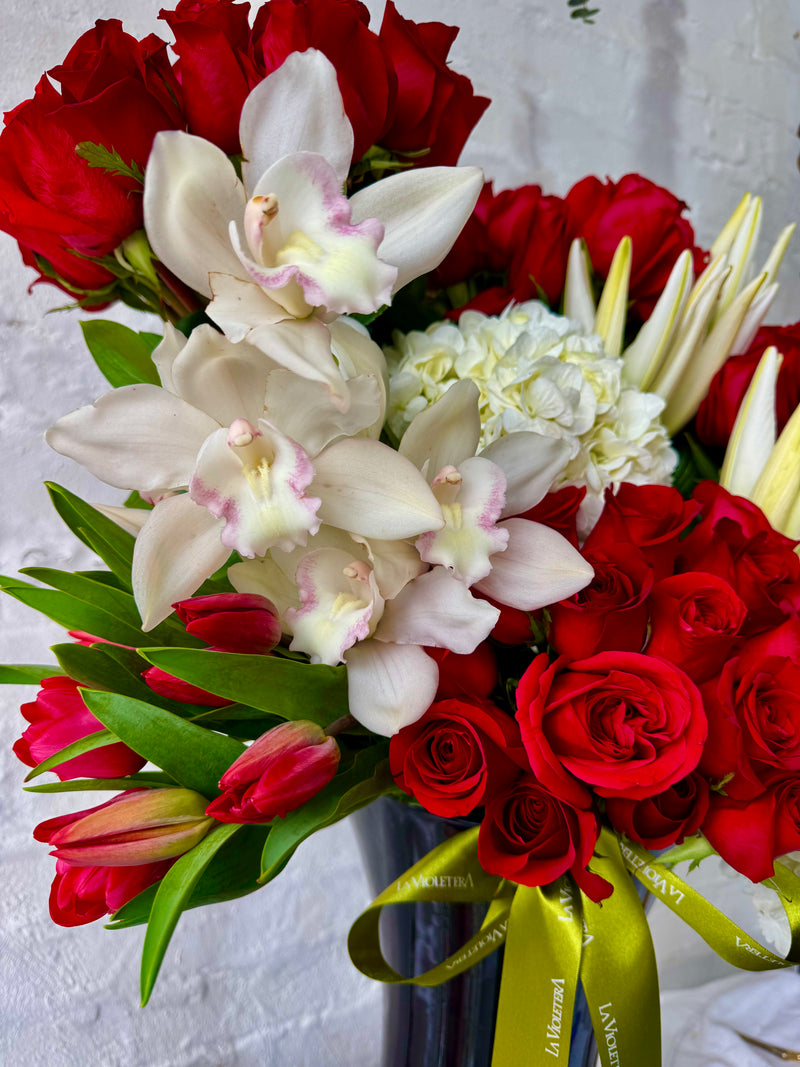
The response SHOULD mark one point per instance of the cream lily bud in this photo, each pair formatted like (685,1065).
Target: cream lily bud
(578,296)
(753,436)
(143,826)
(778,487)
(613,307)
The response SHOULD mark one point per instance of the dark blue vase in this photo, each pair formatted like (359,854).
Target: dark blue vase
(451,1025)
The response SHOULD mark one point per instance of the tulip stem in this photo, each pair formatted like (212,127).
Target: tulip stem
(339,725)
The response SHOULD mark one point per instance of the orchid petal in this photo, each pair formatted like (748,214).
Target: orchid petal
(255,479)
(296,108)
(471,498)
(136,437)
(226,380)
(531,463)
(753,435)
(165,353)
(538,568)
(340,603)
(191,193)
(358,355)
(266,577)
(306,412)
(367,488)
(389,686)
(303,241)
(177,549)
(129,519)
(437,610)
(423,211)
(447,432)
(395,563)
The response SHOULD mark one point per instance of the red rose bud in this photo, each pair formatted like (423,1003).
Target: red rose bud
(232,622)
(138,827)
(664,819)
(694,622)
(57,718)
(473,675)
(456,755)
(278,773)
(532,837)
(625,724)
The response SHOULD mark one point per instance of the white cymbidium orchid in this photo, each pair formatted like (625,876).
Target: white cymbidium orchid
(286,243)
(261,469)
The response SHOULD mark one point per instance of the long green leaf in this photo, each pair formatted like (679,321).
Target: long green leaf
(142,779)
(282,687)
(174,890)
(99,739)
(71,613)
(27,673)
(195,757)
(111,543)
(367,778)
(233,872)
(123,356)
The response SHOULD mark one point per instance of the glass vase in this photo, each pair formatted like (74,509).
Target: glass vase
(451,1025)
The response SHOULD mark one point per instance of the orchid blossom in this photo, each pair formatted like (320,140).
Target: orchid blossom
(376,605)
(285,243)
(264,466)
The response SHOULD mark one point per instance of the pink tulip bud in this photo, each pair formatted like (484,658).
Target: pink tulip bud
(138,827)
(167,685)
(57,718)
(279,772)
(232,622)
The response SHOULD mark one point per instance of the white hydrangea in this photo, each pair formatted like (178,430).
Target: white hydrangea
(538,371)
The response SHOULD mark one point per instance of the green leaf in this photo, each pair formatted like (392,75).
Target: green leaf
(110,542)
(173,892)
(123,356)
(71,613)
(99,739)
(117,603)
(193,756)
(109,160)
(694,849)
(361,783)
(282,687)
(136,500)
(143,779)
(26,673)
(233,872)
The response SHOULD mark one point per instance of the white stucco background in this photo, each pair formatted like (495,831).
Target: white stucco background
(700,95)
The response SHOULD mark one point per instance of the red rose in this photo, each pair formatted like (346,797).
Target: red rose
(216,66)
(735,541)
(339,29)
(435,108)
(610,612)
(117,92)
(456,756)
(717,413)
(539,265)
(473,675)
(471,250)
(625,724)
(559,511)
(58,717)
(664,819)
(604,213)
(532,837)
(652,517)
(694,622)
(750,834)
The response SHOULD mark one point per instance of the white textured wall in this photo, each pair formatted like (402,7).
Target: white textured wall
(701,96)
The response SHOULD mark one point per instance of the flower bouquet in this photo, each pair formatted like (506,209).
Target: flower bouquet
(472,500)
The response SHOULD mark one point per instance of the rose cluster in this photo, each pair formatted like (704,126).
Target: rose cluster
(516,245)
(667,701)
(69,212)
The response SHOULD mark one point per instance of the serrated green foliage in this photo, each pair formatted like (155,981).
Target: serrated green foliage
(99,739)
(281,687)
(171,897)
(233,872)
(109,160)
(140,780)
(27,673)
(123,356)
(195,757)
(111,543)
(363,781)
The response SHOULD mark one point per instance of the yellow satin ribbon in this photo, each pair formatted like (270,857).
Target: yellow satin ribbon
(555,937)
